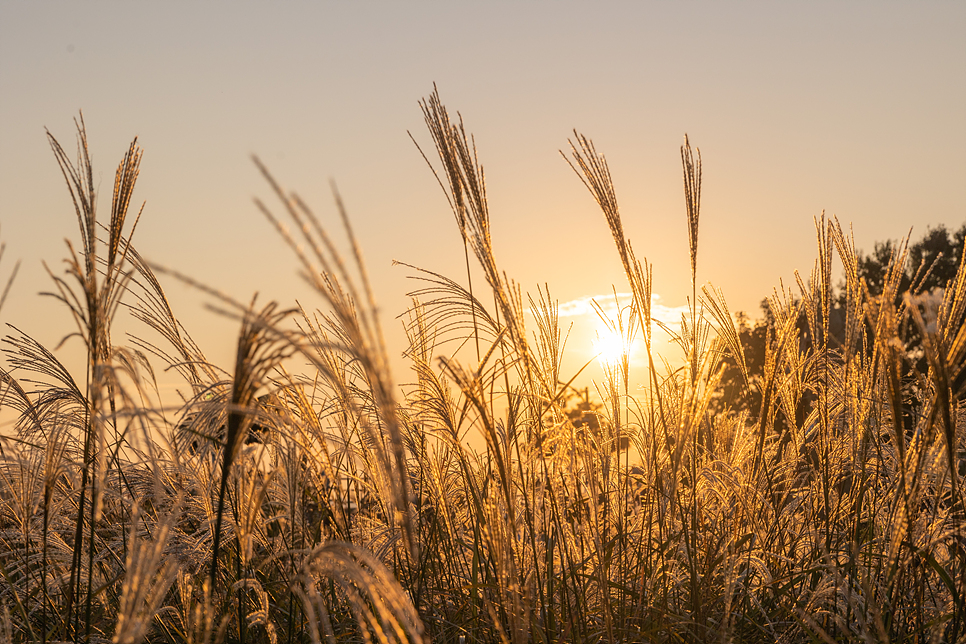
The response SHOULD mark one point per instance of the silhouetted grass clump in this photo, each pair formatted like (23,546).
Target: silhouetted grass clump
(321,504)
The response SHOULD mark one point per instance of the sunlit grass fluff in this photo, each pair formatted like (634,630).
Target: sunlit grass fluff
(298,495)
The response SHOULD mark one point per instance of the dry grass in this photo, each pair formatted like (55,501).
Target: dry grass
(323,505)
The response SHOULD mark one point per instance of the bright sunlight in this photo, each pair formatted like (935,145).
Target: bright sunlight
(611,347)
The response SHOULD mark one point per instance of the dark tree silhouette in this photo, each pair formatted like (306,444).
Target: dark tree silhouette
(931,263)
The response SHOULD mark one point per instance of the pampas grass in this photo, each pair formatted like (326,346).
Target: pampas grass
(299,496)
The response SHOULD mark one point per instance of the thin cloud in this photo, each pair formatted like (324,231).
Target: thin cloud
(668,315)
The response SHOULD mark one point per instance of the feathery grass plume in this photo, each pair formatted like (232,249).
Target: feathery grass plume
(595,174)
(445,306)
(381,607)
(55,395)
(261,613)
(776,354)
(153,310)
(438,122)
(20,481)
(726,329)
(100,293)
(149,573)
(360,337)
(100,283)
(692,198)
(549,346)
(466,194)
(853,294)
(431,401)
(261,349)
(198,617)
(885,319)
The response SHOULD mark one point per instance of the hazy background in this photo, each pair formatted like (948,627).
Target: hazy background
(854,108)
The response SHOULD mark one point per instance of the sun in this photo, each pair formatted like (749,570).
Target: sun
(611,347)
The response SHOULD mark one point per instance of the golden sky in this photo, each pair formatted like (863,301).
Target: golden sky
(855,108)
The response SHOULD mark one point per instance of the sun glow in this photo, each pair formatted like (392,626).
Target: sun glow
(616,332)
(611,348)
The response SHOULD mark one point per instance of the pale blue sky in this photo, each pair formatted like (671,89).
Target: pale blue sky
(856,108)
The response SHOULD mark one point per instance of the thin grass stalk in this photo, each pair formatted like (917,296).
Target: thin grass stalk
(692,196)
(94,311)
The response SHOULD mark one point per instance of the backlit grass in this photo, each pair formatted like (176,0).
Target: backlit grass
(290,504)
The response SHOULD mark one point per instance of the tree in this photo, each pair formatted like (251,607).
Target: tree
(930,264)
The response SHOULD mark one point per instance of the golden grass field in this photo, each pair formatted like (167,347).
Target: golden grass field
(289,503)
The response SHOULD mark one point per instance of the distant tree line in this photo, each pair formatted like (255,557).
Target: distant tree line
(930,264)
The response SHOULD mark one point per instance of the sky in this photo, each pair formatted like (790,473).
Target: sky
(853,108)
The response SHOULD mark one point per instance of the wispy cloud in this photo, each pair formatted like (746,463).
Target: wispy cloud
(668,315)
